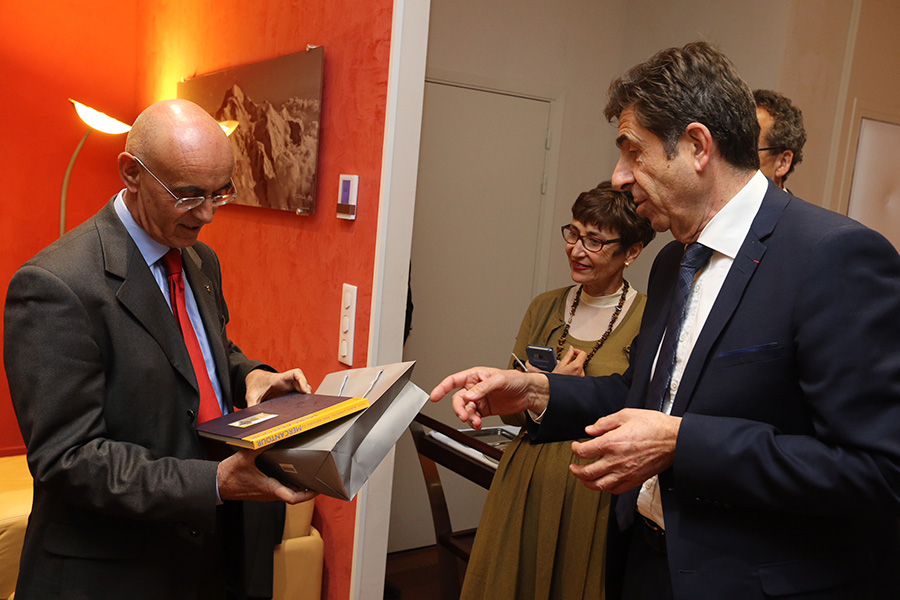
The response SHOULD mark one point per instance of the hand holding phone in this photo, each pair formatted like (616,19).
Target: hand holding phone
(541,357)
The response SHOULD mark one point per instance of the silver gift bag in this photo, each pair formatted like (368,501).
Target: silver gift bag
(337,459)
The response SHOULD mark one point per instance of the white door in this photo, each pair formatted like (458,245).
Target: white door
(475,239)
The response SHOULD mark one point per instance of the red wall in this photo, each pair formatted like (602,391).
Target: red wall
(50,52)
(283,273)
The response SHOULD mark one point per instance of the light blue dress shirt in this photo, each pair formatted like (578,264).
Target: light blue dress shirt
(153,251)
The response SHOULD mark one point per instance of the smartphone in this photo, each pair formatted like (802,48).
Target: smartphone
(542,357)
(497,437)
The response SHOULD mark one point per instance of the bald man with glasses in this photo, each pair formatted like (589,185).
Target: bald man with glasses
(115,348)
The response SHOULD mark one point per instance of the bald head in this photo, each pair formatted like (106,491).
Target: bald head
(171,128)
(175,149)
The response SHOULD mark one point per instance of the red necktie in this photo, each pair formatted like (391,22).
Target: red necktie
(209,404)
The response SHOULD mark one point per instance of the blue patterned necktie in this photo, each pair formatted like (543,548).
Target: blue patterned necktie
(695,258)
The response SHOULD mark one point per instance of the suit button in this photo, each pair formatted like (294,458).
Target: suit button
(190,415)
(195,533)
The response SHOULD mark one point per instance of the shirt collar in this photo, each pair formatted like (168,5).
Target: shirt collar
(150,249)
(726,231)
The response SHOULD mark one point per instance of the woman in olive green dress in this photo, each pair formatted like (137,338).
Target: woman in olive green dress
(542,533)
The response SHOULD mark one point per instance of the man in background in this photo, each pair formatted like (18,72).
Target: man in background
(115,349)
(781,135)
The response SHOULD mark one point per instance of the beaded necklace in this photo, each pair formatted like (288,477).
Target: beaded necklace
(612,322)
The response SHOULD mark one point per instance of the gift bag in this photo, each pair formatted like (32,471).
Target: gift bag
(337,459)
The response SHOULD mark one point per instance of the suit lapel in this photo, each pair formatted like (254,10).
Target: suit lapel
(745,264)
(139,292)
(213,321)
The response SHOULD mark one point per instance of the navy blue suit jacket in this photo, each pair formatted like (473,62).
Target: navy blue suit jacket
(786,477)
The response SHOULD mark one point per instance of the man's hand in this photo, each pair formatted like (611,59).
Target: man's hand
(633,445)
(239,479)
(262,385)
(572,362)
(487,391)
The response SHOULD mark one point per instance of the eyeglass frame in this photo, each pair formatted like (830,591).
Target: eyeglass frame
(772,148)
(186,203)
(603,243)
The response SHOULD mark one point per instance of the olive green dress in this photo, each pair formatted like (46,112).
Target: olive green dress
(542,533)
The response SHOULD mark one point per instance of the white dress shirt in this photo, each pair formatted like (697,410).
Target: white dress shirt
(724,234)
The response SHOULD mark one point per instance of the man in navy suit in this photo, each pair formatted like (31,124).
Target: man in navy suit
(768,465)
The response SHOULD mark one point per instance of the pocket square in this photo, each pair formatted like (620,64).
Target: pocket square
(750,349)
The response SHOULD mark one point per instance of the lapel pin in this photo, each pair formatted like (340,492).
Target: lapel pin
(208,289)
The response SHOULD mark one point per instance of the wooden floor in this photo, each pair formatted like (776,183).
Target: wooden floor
(412,575)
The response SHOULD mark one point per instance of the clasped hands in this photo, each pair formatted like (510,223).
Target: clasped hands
(629,446)
(238,477)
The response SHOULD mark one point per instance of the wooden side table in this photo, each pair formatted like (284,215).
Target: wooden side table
(451,545)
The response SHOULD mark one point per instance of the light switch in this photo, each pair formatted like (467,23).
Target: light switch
(346,206)
(348,324)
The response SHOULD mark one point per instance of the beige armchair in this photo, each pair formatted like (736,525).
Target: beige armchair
(298,559)
(15,506)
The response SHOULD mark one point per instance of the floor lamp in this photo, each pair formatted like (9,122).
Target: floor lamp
(94,120)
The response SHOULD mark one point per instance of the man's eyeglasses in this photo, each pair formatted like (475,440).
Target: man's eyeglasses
(590,243)
(189,202)
(772,148)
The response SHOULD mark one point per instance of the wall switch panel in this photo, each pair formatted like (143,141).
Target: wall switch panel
(348,324)
(346,207)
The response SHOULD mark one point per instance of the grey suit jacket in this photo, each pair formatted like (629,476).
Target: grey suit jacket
(106,398)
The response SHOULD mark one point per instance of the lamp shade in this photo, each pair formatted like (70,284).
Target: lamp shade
(98,120)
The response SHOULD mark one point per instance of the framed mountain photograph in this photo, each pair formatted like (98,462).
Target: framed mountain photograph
(277,105)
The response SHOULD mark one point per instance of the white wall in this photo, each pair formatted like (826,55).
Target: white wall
(817,65)
(556,49)
(872,89)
